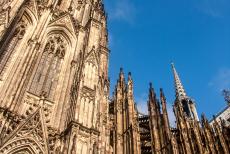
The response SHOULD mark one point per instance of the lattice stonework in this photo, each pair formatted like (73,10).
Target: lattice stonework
(30,135)
(46,76)
(2,18)
(3,21)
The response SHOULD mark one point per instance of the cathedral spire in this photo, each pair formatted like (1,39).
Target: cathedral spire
(130,85)
(180,92)
(121,85)
(188,104)
(121,77)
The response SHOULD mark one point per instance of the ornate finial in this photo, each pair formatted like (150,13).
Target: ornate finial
(151,90)
(129,76)
(180,92)
(150,85)
(161,91)
(130,85)
(203,118)
(162,95)
(121,74)
(121,80)
(121,70)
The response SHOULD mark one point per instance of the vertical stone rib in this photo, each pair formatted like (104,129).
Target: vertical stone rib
(165,114)
(155,134)
(221,137)
(208,135)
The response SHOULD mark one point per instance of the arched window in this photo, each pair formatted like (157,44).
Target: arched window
(10,49)
(90,73)
(46,76)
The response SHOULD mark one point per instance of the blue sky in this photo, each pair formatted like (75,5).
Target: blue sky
(147,35)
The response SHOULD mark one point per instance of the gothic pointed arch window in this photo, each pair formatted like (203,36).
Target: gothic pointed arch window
(8,52)
(91,72)
(47,73)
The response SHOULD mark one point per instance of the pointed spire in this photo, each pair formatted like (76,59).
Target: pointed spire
(152,97)
(130,81)
(130,76)
(154,120)
(180,92)
(130,85)
(154,103)
(165,115)
(204,120)
(121,86)
(121,74)
(121,79)
(162,95)
(151,92)
(163,100)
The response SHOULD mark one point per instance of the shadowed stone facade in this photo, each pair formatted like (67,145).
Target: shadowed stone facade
(54,90)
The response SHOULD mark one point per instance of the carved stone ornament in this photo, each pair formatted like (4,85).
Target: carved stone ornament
(31,131)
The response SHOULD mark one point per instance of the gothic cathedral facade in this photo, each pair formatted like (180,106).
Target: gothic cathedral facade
(53,76)
(54,90)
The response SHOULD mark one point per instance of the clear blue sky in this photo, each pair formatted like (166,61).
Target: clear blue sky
(147,35)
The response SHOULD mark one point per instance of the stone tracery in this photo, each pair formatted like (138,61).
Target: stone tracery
(9,51)
(46,76)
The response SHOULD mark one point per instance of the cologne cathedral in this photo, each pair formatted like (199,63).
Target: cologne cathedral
(54,90)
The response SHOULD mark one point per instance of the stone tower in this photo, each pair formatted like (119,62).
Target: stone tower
(124,134)
(53,77)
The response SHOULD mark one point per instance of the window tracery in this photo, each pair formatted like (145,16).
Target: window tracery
(82,147)
(9,51)
(4,3)
(90,73)
(87,108)
(41,5)
(3,18)
(46,76)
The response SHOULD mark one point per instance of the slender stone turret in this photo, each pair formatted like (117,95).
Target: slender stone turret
(208,135)
(125,117)
(219,134)
(132,130)
(154,121)
(120,90)
(165,115)
(166,126)
(183,112)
